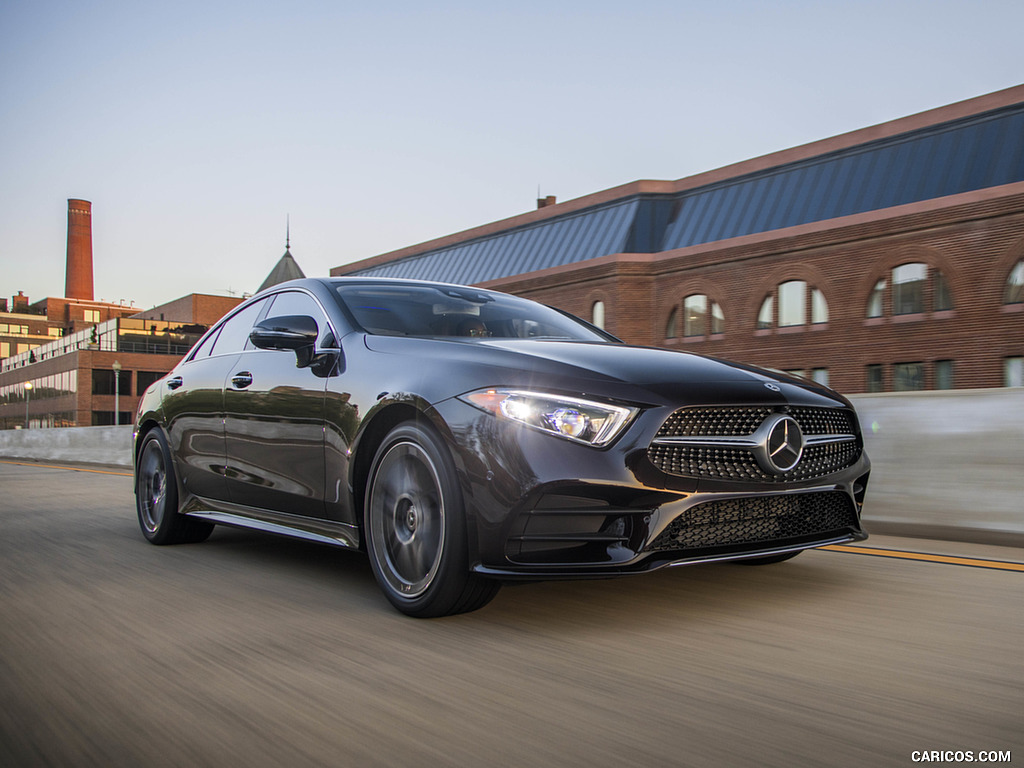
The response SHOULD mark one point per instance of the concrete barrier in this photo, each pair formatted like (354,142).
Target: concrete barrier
(946,465)
(90,445)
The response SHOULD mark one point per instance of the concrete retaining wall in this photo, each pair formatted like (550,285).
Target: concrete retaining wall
(944,464)
(91,445)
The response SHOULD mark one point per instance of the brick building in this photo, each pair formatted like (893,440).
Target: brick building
(890,258)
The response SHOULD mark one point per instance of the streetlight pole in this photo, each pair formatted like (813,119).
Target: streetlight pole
(117,393)
(28,396)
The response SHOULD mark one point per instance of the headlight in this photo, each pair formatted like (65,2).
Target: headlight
(583,421)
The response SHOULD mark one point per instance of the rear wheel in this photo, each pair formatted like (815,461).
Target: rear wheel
(415,524)
(156,497)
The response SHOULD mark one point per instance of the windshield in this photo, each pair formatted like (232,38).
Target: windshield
(430,311)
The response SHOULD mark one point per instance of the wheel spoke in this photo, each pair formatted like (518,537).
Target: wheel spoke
(406,518)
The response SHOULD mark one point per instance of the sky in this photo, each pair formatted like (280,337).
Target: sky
(197,129)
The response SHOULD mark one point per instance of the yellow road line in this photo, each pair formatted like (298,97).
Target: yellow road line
(998,565)
(72,469)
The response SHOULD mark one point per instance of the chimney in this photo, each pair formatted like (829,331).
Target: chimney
(544,202)
(78,279)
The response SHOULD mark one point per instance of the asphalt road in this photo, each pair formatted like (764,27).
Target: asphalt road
(250,650)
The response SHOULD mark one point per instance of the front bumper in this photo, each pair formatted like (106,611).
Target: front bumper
(539,507)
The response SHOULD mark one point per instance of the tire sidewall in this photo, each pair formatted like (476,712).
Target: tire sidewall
(452,573)
(166,528)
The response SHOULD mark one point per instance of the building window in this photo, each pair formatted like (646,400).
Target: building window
(103,382)
(597,314)
(796,301)
(943,374)
(1014,293)
(766,317)
(1013,372)
(793,303)
(875,378)
(875,307)
(143,379)
(908,282)
(819,307)
(92,315)
(909,291)
(907,377)
(820,376)
(672,326)
(701,316)
(942,298)
(695,310)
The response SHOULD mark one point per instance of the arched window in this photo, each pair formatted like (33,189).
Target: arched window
(819,307)
(717,319)
(909,291)
(672,327)
(908,282)
(766,317)
(1014,293)
(597,314)
(875,306)
(702,316)
(695,310)
(796,301)
(793,303)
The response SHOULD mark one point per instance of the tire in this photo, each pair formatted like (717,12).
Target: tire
(156,497)
(414,521)
(770,559)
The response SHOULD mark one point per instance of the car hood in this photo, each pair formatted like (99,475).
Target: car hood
(614,370)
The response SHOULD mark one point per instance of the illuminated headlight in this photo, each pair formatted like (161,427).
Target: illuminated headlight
(583,421)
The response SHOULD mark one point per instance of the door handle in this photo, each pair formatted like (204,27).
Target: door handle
(174,382)
(241,380)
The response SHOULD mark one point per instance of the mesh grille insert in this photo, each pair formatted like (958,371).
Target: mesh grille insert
(757,520)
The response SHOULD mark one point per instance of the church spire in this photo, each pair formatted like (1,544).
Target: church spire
(287,232)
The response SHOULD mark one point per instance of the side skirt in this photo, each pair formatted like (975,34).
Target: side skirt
(283,524)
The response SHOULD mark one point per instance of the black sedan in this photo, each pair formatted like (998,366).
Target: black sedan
(464,438)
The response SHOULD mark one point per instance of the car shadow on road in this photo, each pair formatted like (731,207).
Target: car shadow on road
(669,594)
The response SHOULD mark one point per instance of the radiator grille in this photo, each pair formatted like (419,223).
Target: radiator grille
(717,461)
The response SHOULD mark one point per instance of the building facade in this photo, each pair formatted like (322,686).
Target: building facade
(887,259)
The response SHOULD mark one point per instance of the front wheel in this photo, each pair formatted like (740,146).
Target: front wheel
(156,497)
(415,523)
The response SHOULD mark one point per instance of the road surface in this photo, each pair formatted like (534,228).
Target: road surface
(250,650)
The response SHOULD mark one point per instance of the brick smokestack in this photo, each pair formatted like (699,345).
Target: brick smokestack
(78,278)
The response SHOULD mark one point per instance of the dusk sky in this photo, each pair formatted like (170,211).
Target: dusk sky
(196,128)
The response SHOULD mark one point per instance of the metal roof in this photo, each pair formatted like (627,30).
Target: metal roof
(976,152)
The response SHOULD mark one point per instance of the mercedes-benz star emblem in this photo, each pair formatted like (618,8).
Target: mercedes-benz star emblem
(781,444)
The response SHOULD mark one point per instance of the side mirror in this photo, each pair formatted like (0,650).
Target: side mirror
(292,332)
